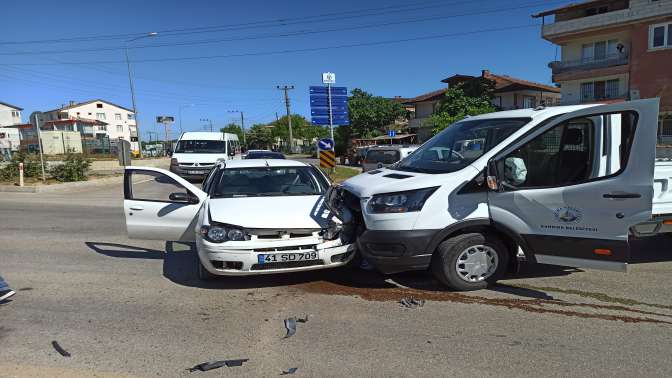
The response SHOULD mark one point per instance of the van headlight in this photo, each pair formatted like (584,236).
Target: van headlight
(220,234)
(399,202)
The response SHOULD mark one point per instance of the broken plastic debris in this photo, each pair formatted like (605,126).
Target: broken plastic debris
(60,349)
(412,302)
(217,364)
(289,371)
(290,324)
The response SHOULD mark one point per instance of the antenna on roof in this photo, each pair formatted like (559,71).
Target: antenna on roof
(267,165)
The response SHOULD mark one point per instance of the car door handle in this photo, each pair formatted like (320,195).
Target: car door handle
(622,195)
(137,208)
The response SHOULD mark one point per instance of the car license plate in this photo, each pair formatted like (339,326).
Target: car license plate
(288,257)
(195,172)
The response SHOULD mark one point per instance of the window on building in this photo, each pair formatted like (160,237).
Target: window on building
(600,90)
(99,106)
(120,128)
(599,50)
(660,36)
(117,116)
(15,113)
(611,90)
(529,102)
(102,128)
(100,116)
(586,91)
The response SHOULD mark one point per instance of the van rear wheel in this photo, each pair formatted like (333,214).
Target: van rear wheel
(470,261)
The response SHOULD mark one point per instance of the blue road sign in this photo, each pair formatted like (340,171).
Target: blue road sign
(335,91)
(321,101)
(325,121)
(391,133)
(325,144)
(336,111)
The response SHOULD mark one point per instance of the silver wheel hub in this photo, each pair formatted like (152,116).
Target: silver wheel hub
(476,263)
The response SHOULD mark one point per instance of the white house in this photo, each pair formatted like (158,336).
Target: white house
(120,120)
(9,114)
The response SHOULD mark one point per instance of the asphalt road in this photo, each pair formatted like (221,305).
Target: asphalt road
(135,308)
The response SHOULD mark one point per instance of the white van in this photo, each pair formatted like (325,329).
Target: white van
(197,152)
(564,184)
(384,156)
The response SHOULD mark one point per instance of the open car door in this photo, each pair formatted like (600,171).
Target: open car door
(159,205)
(571,188)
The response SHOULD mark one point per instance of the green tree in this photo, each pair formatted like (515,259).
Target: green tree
(232,128)
(371,115)
(467,99)
(260,136)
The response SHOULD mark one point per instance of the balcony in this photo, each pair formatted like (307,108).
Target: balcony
(612,60)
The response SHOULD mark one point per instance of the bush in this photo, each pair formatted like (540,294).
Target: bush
(75,168)
(31,166)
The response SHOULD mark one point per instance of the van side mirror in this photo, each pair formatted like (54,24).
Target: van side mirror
(491,176)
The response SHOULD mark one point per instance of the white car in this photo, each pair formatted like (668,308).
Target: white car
(251,217)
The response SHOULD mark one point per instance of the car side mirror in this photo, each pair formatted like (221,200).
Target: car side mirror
(232,153)
(182,197)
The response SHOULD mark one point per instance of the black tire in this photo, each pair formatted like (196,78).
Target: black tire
(445,258)
(203,273)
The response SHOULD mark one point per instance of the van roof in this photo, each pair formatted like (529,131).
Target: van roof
(546,112)
(207,135)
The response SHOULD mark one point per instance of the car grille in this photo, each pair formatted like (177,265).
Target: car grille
(291,248)
(286,265)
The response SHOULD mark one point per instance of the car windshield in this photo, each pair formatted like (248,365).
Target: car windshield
(269,181)
(265,155)
(382,156)
(459,145)
(201,147)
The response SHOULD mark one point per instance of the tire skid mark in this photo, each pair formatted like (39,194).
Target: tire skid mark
(539,306)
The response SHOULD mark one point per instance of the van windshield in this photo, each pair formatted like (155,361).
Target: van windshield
(459,145)
(201,147)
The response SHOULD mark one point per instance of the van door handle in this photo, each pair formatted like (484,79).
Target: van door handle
(622,195)
(137,208)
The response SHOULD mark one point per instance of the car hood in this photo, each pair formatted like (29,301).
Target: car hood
(289,212)
(198,158)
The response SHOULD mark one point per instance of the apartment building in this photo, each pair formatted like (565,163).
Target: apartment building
(613,50)
(9,114)
(114,121)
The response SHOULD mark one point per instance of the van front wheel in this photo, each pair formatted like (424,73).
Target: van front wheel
(470,261)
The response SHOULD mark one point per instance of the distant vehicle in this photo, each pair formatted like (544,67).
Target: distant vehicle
(197,152)
(251,217)
(384,156)
(264,154)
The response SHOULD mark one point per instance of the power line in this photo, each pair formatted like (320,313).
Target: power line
(286,34)
(255,24)
(276,52)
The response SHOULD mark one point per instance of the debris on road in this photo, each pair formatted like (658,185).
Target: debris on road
(290,371)
(60,349)
(290,324)
(412,302)
(206,366)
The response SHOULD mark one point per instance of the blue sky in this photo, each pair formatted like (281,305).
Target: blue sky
(467,36)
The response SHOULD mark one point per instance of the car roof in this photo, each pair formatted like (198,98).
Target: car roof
(259,163)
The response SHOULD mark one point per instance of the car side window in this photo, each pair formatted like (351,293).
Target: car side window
(152,186)
(207,183)
(575,151)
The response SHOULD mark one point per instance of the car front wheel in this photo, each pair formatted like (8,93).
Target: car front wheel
(470,261)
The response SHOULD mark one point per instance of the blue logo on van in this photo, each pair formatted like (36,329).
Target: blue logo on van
(568,214)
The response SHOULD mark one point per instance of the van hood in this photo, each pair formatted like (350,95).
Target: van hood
(198,158)
(288,212)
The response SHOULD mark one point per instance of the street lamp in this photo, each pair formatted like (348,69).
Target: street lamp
(130,82)
(242,123)
(207,120)
(180,113)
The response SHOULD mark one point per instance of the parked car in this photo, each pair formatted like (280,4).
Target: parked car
(197,152)
(251,217)
(566,185)
(384,156)
(264,154)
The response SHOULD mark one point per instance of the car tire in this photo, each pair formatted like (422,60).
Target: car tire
(483,259)
(203,274)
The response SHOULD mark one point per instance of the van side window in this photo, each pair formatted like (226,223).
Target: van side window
(575,151)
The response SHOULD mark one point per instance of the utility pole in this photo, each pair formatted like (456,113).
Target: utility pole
(242,123)
(39,144)
(207,120)
(286,88)
(276,116)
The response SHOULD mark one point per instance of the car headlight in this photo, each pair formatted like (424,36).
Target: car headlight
(399,202)
(220,234)
(333,231)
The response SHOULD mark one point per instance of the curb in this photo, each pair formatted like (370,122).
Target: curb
(63,186)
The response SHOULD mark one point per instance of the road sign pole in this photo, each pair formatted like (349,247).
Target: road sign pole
(331,114)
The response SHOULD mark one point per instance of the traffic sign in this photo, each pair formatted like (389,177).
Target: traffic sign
(325,144)
(342,121)
(391,133)
(323,102)
(335,110)
(329,78)
(335,91)
(327,159)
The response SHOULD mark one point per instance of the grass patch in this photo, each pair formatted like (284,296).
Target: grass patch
(341,174)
